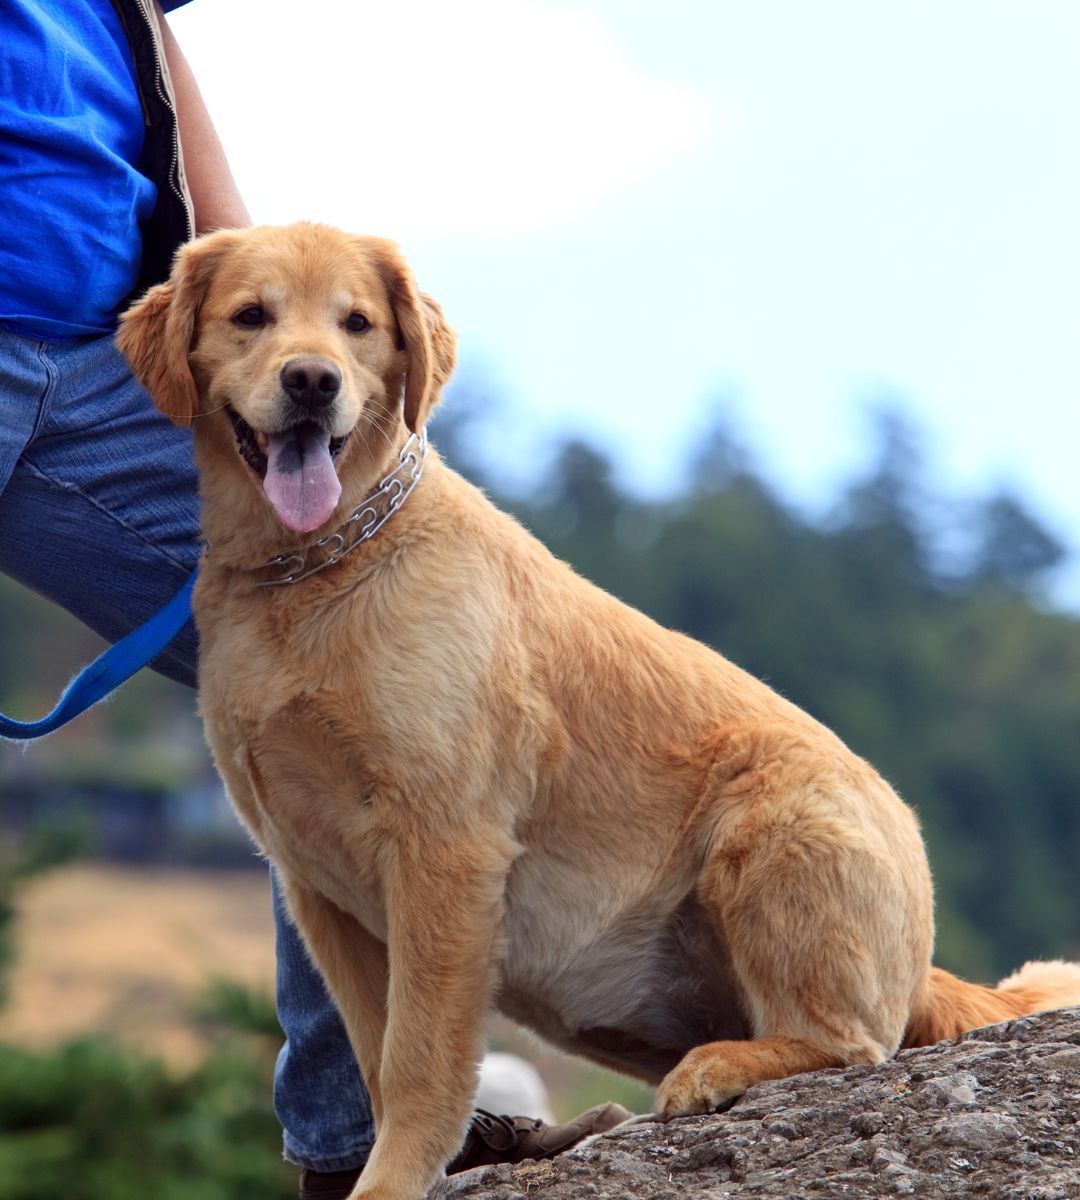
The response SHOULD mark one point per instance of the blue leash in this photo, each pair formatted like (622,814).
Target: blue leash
(108,671)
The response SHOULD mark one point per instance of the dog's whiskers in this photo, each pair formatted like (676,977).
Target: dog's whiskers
(380,423)
(210,411)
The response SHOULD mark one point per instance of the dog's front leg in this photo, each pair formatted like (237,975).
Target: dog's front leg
(353,965)
(444,906)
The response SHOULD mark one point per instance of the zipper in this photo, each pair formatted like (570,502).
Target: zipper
(163,96)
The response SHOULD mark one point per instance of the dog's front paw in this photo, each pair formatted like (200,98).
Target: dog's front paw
(709,1079)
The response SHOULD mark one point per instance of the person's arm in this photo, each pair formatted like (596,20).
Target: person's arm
(217,200)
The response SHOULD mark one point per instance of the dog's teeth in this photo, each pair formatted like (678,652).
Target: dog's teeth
(262,441)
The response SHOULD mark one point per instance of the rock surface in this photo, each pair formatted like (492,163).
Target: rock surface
(995,1115)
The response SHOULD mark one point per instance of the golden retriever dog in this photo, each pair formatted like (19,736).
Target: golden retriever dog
(485,782)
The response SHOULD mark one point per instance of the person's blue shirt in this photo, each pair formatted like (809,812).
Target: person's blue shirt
(71,194)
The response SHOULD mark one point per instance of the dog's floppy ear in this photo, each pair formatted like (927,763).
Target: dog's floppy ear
(427,338)
(157,331)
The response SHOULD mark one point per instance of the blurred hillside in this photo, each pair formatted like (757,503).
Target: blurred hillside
(913,625)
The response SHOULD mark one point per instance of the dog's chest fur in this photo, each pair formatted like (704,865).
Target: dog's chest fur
(298,764)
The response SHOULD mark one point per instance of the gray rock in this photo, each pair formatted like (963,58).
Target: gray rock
(954,1091)
(977,1131)
(993,1116)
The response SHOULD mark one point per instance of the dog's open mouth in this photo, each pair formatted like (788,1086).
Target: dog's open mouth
(297,470)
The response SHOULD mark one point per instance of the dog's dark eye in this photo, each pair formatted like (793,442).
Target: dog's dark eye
(357,323)
(252,317)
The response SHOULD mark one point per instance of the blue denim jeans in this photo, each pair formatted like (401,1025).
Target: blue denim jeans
(99,512)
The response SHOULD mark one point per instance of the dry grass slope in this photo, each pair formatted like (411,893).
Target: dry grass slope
(127,953)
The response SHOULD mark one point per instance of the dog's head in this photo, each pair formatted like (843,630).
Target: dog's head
(303,335)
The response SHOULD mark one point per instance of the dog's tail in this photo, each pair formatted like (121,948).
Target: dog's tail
(949,1006)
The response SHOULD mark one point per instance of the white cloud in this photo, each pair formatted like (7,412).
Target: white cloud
(422,118)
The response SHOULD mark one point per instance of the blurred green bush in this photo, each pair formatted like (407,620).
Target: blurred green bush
(89,1121)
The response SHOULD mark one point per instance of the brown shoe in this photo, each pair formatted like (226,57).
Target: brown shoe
(491,1139)
(328,1185)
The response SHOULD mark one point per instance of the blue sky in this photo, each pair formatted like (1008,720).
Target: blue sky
(634,213)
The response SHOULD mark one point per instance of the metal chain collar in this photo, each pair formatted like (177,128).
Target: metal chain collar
(366,520)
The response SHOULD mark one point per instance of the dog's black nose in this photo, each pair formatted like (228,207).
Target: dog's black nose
(311,382)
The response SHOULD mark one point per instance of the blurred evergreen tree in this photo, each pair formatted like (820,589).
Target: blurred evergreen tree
(1013,548)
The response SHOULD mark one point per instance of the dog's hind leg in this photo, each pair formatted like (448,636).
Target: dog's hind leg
(822,895)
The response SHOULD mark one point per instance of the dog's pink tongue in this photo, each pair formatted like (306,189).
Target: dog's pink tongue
(301,482)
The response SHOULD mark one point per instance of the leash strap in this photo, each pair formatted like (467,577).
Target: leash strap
(108,671)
